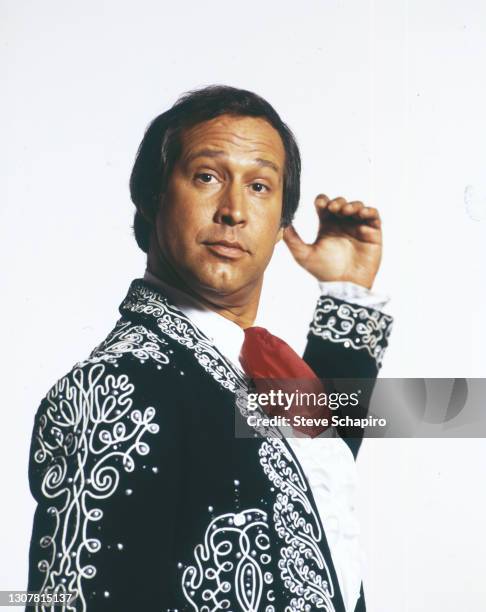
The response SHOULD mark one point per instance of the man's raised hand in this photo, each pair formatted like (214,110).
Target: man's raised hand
(348,244)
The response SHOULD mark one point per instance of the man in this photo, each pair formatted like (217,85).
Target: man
(146,498)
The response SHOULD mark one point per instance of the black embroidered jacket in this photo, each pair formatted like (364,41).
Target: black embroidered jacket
(145,498)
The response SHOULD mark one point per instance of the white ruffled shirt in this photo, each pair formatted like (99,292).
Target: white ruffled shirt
(326,461)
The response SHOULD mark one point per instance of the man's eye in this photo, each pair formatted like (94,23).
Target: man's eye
(259,187)
(205,177)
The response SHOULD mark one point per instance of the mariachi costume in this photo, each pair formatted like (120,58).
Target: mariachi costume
(146,500)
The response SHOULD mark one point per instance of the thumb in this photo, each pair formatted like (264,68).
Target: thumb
(297,246)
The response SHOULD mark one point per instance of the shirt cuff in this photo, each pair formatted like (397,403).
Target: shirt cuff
(356,294)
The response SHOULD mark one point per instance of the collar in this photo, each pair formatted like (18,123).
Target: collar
(227,336)
(214,340)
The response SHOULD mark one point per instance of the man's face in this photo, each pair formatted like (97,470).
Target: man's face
(219,220)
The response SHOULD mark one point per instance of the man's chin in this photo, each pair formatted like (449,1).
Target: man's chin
(219,287)
(223,284)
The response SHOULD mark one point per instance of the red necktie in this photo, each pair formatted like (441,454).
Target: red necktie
(273,364)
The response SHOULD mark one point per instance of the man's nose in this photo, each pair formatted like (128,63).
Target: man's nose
(232,206)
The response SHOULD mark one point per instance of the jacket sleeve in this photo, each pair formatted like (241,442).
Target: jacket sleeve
(346,342)
(104,439)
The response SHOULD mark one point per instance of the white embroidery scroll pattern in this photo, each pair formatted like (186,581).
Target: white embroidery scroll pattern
(128,338)
(353,326)
(302,566)
(172,322)
(180,328)
(88,433)
(241,402)
(230,565)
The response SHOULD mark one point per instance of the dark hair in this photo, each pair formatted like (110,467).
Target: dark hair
(160,148)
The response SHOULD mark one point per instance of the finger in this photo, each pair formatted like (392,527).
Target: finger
(369,234)
(369,212)
(296,245)
(335,206)
(371,216)
(321,202)
(351,208)
(292,237)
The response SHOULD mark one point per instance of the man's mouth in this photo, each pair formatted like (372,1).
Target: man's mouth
(226,248)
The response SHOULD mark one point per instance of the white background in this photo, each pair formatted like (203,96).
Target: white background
(387,100)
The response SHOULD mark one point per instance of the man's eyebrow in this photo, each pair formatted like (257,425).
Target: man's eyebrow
(268,164)
(204,153)
(218,153)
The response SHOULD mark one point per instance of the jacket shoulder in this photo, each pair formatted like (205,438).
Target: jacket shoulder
(127,350)
(105,400)
(128,343)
